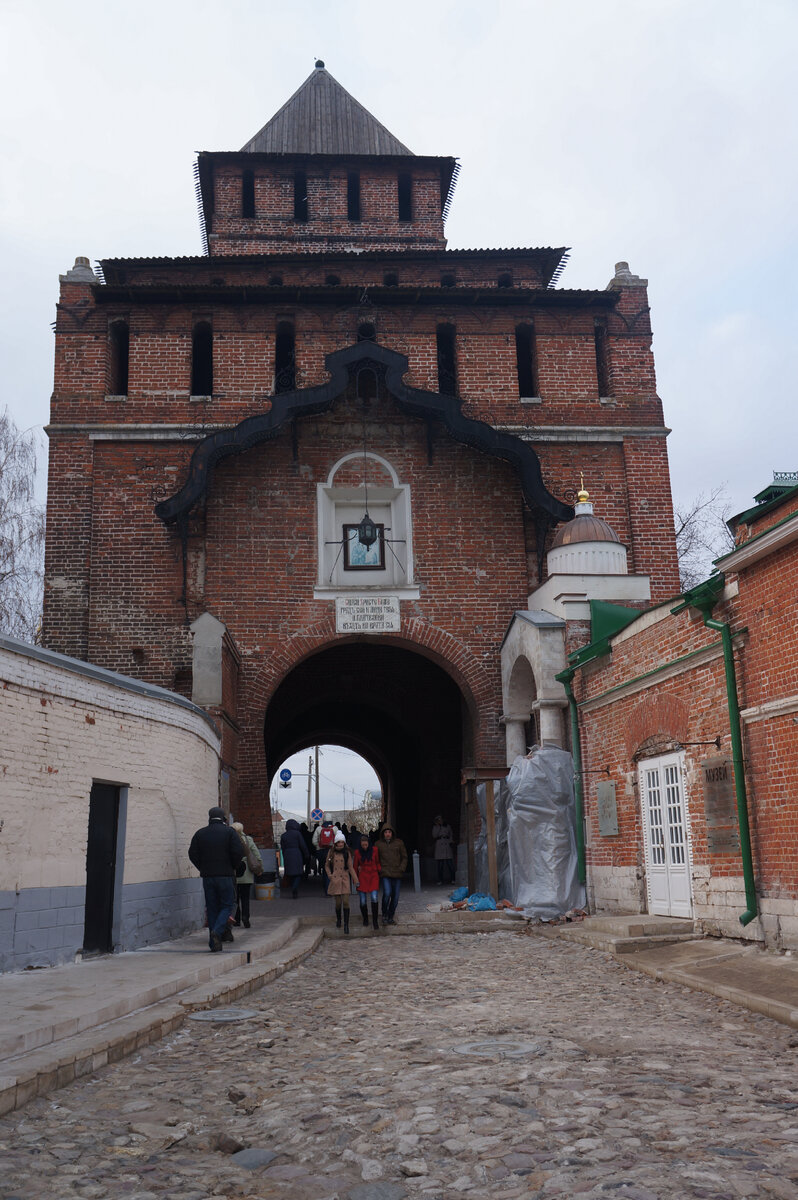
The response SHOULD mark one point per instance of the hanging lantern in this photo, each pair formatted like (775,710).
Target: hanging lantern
(367,532)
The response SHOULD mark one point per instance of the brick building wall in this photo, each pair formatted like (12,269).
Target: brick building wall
(65,725)
(662,687)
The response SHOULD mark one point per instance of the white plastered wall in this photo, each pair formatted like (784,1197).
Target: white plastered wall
(60,730)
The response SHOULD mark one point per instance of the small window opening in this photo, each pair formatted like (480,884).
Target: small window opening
(138,655)
(248,194)
(285,358)
(120,357)
(447,367)
(300,196)
(217,282)
(448,280)
(505,280)
(353,195)
(390,279)
(202,359)
(602,358)
(366,385)
(332,280)
(405,196)
(275,281)
(366,332)
(526,359)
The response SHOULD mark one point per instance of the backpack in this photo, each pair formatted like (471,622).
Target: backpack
(327,835)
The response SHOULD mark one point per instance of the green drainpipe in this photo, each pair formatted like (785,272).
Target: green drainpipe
(704,598)
(565,678)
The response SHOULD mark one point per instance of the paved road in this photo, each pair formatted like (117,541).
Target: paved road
(590,1080)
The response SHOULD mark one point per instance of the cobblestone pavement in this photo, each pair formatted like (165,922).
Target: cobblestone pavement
(349,1082)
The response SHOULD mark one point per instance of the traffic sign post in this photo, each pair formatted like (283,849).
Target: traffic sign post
(317,815)
(285,778)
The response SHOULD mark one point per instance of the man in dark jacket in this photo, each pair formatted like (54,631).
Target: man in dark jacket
(295,852)
(216,851)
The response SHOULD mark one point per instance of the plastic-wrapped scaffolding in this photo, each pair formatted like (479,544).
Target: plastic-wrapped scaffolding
(535,836)
(538,799)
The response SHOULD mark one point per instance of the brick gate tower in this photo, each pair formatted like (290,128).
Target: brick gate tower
(308,477)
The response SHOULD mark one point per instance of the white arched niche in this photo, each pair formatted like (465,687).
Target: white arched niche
(533,652)
(340,505)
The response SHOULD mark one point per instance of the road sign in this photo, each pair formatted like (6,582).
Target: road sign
(285,783)
(285,774)
(317,815)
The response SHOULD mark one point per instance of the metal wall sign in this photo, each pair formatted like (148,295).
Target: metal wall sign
(367,614)
(720,807)
(607,808)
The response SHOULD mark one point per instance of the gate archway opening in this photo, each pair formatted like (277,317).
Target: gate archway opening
(395,707)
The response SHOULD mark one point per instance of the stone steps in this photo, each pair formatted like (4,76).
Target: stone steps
(624,933)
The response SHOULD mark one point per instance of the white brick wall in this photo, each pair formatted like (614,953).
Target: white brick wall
(59,731)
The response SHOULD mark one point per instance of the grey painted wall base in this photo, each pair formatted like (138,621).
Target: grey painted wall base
(43,927)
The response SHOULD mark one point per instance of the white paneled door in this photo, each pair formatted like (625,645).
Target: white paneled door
(666,836)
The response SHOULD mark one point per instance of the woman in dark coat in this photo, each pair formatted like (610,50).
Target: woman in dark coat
(295,853)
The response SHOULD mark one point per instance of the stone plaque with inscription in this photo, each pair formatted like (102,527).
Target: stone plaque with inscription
(720,807)
(607,808)
(367,614)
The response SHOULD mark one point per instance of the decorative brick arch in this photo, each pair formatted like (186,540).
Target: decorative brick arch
(416,635)
(663,717)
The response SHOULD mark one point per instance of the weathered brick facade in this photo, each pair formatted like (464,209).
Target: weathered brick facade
(663,687)
(123,586)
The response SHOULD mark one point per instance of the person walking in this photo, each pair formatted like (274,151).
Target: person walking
(340,870)
(393,864)
(216,851)
(295,852)
(324,836)
(444,853)
(367,869)
(254,866)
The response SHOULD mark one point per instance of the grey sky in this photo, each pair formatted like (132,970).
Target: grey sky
(660,132)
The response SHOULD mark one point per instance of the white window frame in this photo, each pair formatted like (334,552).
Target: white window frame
(389,505)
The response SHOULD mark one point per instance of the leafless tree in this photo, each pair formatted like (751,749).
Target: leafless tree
(21,533)
(702,534)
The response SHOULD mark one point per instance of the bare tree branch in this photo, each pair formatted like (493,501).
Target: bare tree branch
(21,533)
(702,534)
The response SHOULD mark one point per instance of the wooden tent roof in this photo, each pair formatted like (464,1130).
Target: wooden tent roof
(322,118)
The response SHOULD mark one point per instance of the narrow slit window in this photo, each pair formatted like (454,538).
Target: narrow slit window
(248,194)
(448,280)
(404,194)
(602,358)
(505,280)
(390,279)
(202,359)
(285,358)
(119,337)
(447,366)
(300,196)
(353,195)
(527,360)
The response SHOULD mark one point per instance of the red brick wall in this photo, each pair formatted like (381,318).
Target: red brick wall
(692,707)
(274,226)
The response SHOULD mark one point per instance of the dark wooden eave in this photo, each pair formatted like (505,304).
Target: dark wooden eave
(308,402)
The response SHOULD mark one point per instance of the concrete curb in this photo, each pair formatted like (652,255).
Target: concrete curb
(777,1010)
(52,1066)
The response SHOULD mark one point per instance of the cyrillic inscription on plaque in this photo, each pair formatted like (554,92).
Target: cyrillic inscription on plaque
(720,808)
(367,614)
(607,808)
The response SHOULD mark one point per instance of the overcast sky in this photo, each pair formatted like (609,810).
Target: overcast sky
(662,132)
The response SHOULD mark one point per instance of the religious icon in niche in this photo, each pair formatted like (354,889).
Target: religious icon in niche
(357,556)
